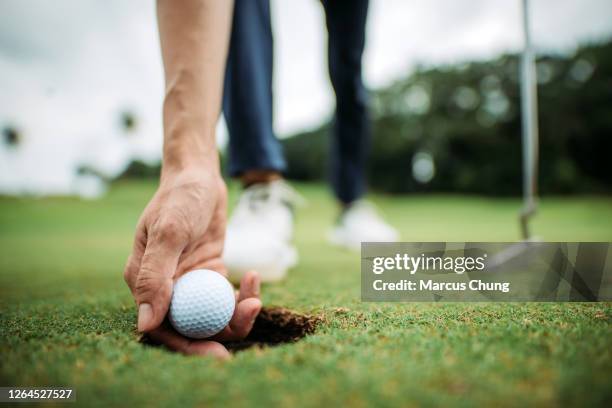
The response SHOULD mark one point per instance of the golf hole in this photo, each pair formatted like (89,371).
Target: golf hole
(273,326)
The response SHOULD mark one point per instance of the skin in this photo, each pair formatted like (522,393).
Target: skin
(183,226)
(251,177)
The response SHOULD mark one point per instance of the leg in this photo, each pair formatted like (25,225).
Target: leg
(247,99)
(259,233)
(346,21)
(359,221)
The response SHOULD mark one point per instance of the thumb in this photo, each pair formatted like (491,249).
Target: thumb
(153,290)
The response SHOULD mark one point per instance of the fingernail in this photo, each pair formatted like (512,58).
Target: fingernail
(145,314)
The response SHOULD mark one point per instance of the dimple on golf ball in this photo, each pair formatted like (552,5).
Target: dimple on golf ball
(202,304)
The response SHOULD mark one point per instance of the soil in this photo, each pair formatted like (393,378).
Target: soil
(273,326)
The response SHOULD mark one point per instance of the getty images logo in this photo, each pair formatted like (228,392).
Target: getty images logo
(422,262)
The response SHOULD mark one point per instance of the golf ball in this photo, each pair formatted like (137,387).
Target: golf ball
(202,304)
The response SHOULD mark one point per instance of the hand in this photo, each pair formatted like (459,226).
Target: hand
(181,229)
(248,306)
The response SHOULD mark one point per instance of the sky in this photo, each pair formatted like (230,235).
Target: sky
(68,68)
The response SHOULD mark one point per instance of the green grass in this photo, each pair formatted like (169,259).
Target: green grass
(68,319)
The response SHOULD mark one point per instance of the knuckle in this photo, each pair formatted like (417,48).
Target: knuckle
(170,231)
(126,275)
(147,283)
(128,271)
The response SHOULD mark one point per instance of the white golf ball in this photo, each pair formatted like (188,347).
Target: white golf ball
(203,303)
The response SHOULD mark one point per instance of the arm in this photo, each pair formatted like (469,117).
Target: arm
(194,35)
(183,226)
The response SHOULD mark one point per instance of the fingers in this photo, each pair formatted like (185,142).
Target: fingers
(247,308)
(244,318)
(178,343)
(130,272)
(133,263)
(153,287)
(242,322)
(249,286)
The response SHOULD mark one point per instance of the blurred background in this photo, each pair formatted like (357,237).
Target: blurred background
(81,90)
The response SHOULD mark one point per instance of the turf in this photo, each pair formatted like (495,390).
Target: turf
(67,318)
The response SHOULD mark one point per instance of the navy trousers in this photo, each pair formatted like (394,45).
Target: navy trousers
(248,101)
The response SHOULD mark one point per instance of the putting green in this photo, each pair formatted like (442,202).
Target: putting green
(66,318)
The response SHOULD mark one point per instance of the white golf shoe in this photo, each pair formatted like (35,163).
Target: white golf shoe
(361,223)
(260,232)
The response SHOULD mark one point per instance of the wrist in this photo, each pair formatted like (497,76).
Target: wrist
(189,153)
(172,177)
(189,134)
(190,166)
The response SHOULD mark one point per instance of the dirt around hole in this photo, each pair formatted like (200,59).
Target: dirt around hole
(273,326)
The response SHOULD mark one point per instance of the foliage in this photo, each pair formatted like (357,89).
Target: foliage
(466,118)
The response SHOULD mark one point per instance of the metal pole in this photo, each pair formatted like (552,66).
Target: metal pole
(529,117)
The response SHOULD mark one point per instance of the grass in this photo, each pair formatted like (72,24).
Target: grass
(66,317)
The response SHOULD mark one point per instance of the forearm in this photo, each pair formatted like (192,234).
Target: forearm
(194,36)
